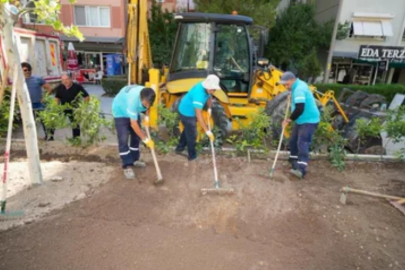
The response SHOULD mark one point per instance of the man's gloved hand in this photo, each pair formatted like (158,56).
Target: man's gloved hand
(210,135)
(145,121)
(149,143)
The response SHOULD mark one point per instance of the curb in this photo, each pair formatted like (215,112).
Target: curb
(282,155)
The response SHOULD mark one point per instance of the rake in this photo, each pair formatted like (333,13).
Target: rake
(159,180)
(217,189)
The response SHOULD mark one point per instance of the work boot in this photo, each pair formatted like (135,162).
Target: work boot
(139,164)
(129,173)
(297,173)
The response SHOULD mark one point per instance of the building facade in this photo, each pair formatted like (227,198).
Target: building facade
(102,22)
(370,45)
(175,5)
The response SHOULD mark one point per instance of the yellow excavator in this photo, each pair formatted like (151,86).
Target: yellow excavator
(228,46)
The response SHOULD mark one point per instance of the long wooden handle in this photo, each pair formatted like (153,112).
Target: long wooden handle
(158,172)
(372,194)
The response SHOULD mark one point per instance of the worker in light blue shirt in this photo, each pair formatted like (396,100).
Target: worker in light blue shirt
(190,110)
(127,106)
(306,115)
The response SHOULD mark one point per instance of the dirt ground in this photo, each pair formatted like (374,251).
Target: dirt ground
(279,224)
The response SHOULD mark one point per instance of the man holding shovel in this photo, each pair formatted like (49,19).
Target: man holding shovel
(127,106)
(306,116)
(190,109)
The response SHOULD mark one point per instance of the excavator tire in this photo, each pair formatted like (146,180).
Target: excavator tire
(372,100)
(275,108)
(356,99)
(175,108)
(220,119)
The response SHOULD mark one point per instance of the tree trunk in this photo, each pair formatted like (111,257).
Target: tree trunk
(30,131)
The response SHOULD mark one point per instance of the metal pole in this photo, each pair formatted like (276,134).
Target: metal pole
(399,41)
(332,43)
(376,72)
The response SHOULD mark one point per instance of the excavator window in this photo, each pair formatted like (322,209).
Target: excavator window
(193,47)
(232,57)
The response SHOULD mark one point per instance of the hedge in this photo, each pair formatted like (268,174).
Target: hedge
(386,90)
(112,85)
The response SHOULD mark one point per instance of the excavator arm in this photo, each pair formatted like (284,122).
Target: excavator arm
(138,49)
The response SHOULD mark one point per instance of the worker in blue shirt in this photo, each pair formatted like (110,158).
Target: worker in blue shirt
(306,115)
(190,109)
(127,106)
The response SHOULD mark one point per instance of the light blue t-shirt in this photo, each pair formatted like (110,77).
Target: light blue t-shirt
(128,103)
(302,94)
(194,99)
(34,85)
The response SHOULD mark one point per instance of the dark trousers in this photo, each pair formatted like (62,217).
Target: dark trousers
(36,107)
(128,154)
(75,130)
(300,142)
(188,136)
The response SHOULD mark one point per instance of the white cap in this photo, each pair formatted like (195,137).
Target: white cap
(211,82)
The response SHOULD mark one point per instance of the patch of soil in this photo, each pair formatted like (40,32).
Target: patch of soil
(273,224)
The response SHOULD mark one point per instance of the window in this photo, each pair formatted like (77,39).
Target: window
(92,16)
(372,25)
(192,50)
(232,57)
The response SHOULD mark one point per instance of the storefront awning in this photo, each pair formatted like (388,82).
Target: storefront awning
(372,24)
(113,40)
(345,54)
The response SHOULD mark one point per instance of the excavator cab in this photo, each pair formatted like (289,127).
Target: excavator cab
(214,44)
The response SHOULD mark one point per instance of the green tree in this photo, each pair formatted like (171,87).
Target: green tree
(263,12)
(296,39)
(162,33)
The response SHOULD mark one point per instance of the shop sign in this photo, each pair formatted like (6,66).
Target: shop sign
(391,54)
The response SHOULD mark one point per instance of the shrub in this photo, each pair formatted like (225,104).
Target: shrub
(253,135)
(87,115)
(169,119)
(112,85)
(386,90)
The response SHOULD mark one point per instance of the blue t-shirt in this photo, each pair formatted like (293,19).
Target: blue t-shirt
(194,99)
(302,94)
(34,84)
(128,103)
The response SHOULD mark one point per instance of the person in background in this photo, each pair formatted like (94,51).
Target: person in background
(131,101)
(67,93)
(190,109)
(35,85)
(306,116)
(99,76)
